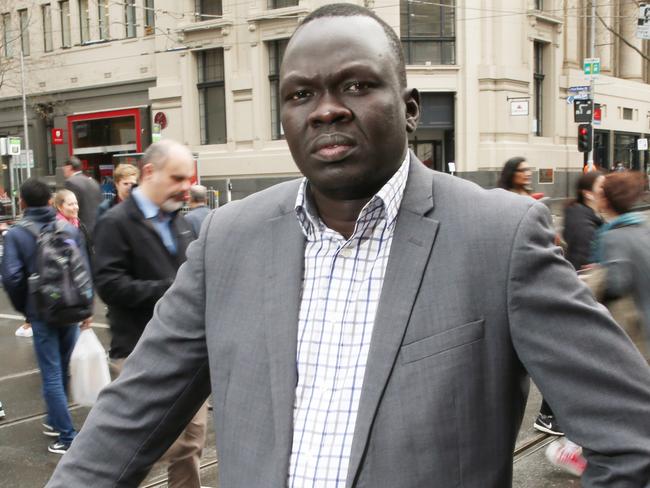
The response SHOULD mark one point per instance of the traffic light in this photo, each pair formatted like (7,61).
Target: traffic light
(584,137)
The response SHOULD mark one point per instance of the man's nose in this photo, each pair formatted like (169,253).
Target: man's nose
(329,110)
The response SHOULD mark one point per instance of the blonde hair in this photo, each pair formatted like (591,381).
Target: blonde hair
(60,196)
(125,170)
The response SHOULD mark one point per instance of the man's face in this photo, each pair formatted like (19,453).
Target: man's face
(67,171)
(168,186)
(344,113)
(124,186)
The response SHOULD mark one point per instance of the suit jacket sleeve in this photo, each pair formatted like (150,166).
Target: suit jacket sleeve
(113,275)
(586,367)
(164,382)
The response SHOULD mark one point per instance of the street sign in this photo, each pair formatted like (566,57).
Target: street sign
(519,107)
(582,110)
(643,22)
(20,161)
(57,136)
(579,92)
(592,66)
(14,146)
(642,144)
(4,150)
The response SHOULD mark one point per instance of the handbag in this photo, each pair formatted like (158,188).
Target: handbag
(88,369)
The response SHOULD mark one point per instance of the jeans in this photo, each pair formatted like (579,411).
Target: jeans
(53,346)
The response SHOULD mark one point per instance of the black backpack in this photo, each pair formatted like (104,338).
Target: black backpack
(61,284)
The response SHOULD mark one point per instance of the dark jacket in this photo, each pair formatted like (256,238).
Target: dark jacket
(133,269)
(196,217)
(89,196)
(19,259)
(104,206)
(580,225)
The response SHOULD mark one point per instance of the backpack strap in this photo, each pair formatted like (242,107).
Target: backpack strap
(29,226)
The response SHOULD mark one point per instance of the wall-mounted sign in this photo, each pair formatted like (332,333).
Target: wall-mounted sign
(592,66)
(643,22)
(642,144)
(156,133)
(57,136)
(545,176)
(582,110)
(519,107)
(160,118)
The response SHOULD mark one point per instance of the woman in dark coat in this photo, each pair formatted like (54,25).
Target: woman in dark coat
(581,219)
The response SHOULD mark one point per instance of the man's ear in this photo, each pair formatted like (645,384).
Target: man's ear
(147,170)
(412,103)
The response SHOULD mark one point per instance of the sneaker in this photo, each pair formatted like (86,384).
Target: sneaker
(547,424)
(58,447)
(49,431)
(566,456)
(2,411)
(22,332)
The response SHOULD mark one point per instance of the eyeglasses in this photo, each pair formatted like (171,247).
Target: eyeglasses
(523,170)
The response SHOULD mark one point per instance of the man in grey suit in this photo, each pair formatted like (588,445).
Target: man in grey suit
(87,191)
(199,209)
(371,325)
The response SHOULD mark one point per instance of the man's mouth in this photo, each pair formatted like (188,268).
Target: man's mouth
(332,147)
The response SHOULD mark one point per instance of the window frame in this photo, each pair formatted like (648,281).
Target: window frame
(6,29)
(409,40)
(202,6)
(203,86)
(84,21)
(104,19)
(130,27)
(149,17)
(66,27)
(275,50)
(538,86)
(23,16)
(46,16)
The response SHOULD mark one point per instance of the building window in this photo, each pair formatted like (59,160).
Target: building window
(149,18)
(539,4)
(64,8)
(6,34)
(84,21)
(129,18)
(208,9)
(276,53)
(46,11)
(24,31)
(103,19)
(272,4)
(212,96)
(538,88)
(428,31)
(628,113)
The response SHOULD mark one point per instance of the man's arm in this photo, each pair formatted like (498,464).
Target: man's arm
(14,273)
(113,270)
(588,370)
(164,382)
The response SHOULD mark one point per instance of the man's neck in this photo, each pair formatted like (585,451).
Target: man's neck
(339,215)
(146,192)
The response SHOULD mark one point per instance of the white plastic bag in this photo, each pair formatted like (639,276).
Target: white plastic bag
(88,369)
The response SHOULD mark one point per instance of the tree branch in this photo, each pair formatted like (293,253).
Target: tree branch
(625,41)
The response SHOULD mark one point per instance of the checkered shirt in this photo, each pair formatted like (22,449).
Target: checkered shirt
(341,287)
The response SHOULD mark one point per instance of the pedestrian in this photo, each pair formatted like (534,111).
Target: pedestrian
(621,248)
(86,189)
(125,177)
(516,176)
(373,323)
(67,208)
(199,208)
(140,244)
(581,219)
(52,344)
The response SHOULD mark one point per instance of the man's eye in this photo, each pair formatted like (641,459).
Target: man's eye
(299,95)
(357,86)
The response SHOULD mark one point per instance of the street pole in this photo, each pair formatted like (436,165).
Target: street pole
(592,87)
(25,128)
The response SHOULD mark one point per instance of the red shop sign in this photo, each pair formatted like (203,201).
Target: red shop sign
(57,136)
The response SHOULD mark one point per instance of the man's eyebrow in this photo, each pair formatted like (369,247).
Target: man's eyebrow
(296,77)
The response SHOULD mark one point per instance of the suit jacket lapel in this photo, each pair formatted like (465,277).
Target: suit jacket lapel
(413,240)
(282,288)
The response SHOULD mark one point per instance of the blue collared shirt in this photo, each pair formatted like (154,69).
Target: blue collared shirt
(160,220)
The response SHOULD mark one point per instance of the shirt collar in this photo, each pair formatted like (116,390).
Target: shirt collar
(389,196)
(146,206)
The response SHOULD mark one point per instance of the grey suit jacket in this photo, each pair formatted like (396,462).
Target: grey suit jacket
(475,295)
(89,196)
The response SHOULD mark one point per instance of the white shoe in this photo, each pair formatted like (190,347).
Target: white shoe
(22,332)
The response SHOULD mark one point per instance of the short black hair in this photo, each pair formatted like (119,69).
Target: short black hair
(35,192)
(352,10)
(74,162)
